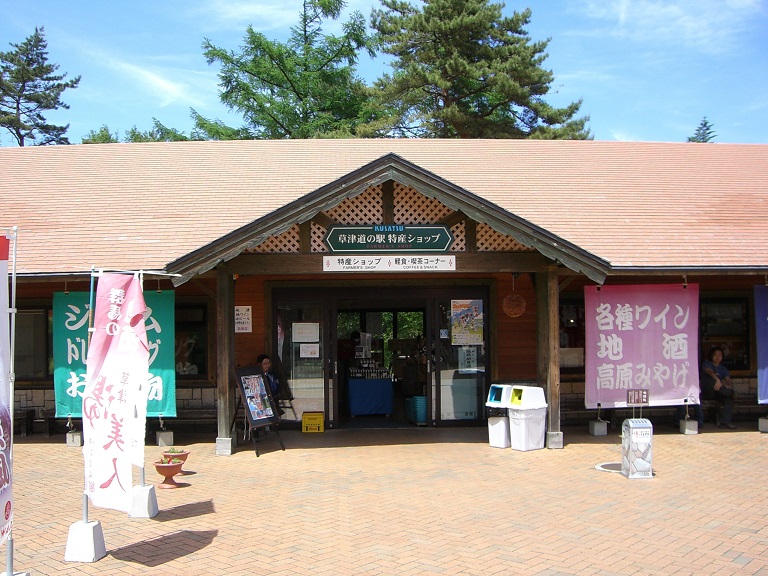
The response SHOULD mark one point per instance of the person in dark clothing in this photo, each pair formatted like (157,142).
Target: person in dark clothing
(716,384)
(274,383)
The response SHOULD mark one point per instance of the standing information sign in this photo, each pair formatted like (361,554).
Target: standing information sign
(260,408)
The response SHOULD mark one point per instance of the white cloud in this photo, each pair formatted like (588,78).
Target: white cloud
(158,84)
(261,14)
(711,26)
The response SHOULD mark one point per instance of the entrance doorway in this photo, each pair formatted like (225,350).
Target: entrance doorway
(379,368)
(367,357)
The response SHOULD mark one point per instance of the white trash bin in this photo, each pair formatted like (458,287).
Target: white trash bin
(527,418)
(498,419)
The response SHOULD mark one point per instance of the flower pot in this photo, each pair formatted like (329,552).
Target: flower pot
(180,455)
(183,455)
(168,471)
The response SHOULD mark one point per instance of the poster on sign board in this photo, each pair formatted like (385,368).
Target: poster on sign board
(641,337)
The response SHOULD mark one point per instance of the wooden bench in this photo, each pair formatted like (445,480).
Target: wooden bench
(22,421)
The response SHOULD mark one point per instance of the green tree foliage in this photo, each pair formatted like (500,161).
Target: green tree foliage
(304,88)
(101,136)
(158,133)
(29,87)
(704,133)
(463,70)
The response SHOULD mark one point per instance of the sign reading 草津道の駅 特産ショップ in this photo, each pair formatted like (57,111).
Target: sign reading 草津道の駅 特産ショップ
(391,238)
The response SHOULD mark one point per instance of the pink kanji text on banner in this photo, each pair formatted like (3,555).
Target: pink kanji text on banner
(115,395)
(6,480)
(641,337)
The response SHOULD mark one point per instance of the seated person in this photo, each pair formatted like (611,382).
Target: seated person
(716,384)
(274,383)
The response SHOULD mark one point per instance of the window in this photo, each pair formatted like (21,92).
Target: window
(191,341)
(33,345)
(725,323)
(572,331)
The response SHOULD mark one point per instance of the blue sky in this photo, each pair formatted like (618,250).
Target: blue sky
(646,70)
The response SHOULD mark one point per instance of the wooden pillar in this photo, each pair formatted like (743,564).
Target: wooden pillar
(548,302)
(225,360)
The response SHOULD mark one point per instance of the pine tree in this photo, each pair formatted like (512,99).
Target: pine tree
(462,70)
(704,133)
(29,88)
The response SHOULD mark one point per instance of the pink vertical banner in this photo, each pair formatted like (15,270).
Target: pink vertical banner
(6,436)
(115,395)
(641,337)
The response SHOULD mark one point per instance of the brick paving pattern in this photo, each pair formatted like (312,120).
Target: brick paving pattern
(414,502)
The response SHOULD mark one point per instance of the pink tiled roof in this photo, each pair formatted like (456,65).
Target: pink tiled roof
(141,206)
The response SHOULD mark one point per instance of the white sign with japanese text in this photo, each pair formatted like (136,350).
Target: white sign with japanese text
(641,337)
(390,263)
(243,319)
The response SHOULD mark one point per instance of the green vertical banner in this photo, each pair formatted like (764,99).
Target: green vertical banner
(161,336)
(70,346)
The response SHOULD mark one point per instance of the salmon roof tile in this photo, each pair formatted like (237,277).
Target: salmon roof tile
(643,205)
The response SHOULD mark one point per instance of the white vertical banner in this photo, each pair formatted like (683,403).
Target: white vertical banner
(6,438)
(115,395)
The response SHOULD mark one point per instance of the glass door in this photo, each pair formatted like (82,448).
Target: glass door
(300,348)
(459,356)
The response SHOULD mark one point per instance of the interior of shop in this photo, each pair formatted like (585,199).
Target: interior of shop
(381,366)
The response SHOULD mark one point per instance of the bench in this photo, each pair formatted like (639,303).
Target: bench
(573,412)
(22,421)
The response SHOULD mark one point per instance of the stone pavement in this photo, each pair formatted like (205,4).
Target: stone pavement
(413,502)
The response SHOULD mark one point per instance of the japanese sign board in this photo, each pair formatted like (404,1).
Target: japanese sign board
(389,263)
(243,319)
(257,398)
(395,238)
(70,346)
(114,399)
(637,397)
(761,330)
(6,479)
(641,337)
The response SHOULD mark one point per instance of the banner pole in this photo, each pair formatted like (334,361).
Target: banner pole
(11,381)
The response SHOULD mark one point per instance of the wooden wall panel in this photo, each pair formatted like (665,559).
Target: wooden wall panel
(515,337)
(249,291)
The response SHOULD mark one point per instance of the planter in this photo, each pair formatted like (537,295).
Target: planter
(168,471)
(180,455)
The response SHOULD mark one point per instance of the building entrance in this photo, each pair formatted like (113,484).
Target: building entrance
(400,357)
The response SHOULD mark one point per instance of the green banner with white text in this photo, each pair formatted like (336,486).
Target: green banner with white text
(70,346)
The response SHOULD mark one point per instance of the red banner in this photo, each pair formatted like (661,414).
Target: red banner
(6,436)
(115,395)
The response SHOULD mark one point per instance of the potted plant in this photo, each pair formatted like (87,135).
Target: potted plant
(179,453)
(168,467)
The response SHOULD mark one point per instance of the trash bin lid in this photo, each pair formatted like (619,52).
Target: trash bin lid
(499,395)
(527,397)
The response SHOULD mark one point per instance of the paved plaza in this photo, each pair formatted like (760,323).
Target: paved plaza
(413,502)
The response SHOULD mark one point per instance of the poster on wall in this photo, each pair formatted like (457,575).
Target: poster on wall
(243,319)
(761,330)
(642,337)
(466,322)
(70,346)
